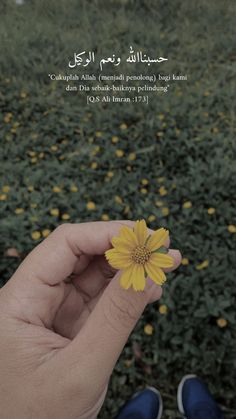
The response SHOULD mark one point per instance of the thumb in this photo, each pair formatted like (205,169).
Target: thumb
(100,342)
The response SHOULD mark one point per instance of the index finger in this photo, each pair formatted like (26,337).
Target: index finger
(55,258)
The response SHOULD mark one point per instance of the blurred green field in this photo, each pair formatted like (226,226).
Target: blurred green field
(171,162)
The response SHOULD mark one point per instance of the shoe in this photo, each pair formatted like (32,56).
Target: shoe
(146,404)
(195,401)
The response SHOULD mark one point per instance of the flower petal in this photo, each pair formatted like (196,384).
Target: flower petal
(156,274)
(111,252)
(122,245)
(138,279)
(128,235)
(126,278)
(118,260)
(157,239)
(161,260)
(120,264)
(140,230)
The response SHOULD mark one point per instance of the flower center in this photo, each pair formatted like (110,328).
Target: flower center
(141,254)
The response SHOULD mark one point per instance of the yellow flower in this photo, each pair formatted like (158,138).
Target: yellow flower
(73,188)
(32,153)
(56,189)
(34,219)
(118,199)
(36,235)
(19,210)
(211,210)
(3,197)
(54,147)
(232,228)
(23,95)
(126,209)
(16,124)
(162,191)
(46,232)
(110,174)
(148,329)
(123,126)
(185,261)
(165,211)
(144,191)
(136,253)
(132,156)
(65,216)
(119,153)
(114,139)
(202,265)
(6,188)
(160,179)
(94,165)
(151,218)
(34,160)
(163,309)
(95,150)
(98,134)
(187,204)
(55,212)
(30,188)
(91,205)
(105,217)
(144,182)
(7,117)
(128,363)
(159,203)
(221,322)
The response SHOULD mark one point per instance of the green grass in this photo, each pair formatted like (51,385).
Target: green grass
(184,141)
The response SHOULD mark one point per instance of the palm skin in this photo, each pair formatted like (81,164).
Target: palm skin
(81,292)
(63,322)
(64,309)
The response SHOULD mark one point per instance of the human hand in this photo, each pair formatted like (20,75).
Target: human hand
(64,320)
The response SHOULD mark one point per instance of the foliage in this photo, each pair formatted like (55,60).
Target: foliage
(178,162)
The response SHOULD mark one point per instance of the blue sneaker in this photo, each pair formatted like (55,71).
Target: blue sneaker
(146,404)
(195,401)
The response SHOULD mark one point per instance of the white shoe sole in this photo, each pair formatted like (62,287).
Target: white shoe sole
(179,392)
(160,401)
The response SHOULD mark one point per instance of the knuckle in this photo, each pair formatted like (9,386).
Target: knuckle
(121,312)
(62,229)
